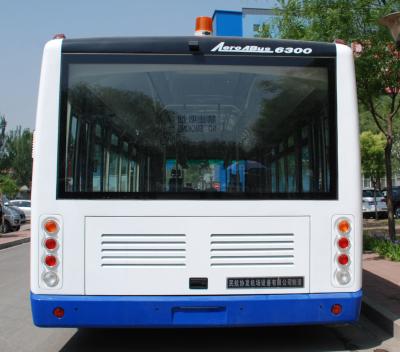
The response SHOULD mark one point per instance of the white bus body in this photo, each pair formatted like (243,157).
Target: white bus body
(194,262)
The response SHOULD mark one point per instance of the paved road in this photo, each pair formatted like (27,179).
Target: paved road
(26,226)
(17,334)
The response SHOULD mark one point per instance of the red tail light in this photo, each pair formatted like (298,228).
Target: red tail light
(50,261)
(343,243)
(50,244)
(343,259)
(336,309)
(58,312)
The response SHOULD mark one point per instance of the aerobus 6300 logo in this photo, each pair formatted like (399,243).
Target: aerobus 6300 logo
(221,47)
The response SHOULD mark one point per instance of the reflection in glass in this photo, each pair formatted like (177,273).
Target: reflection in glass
(291,173)
(124,175)
(97,167)
(306,171)
(150,129)
(113,172)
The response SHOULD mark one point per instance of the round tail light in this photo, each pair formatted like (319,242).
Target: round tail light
(343,277)
(58,312)
(343,259)
(336,309)
(50,278)
(344,243)
(344,226)
(51,261)
(50,244)
(51,226)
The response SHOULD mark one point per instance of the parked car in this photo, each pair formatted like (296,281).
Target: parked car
(24,205)
(396,199)
(19,211)
(368,203)
(12,220)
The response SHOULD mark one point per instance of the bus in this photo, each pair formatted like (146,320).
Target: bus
(195,182)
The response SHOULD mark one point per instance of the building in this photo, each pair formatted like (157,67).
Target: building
(245,23)
(366,182)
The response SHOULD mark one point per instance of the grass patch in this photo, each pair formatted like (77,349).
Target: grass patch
(384,247)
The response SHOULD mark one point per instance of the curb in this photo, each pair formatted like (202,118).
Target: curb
(381,316)
(14,243)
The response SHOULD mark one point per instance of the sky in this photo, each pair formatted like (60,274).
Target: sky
(25,27)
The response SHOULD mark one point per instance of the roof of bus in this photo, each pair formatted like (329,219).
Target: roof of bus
(200,44)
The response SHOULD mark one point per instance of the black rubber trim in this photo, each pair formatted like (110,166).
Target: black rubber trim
(180,45)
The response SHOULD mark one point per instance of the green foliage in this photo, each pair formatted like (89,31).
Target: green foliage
(373,155)
(18,156)
(265,31)
(383,247)
(396,154)
(377,63)
(378,66)
(378,72)
(326,20)
(367,122)
(8,186)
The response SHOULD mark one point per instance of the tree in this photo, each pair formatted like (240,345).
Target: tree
(8,186)
(378,71)
(19,151)
(3,154)
(264,31)
(373,159)
(377,65)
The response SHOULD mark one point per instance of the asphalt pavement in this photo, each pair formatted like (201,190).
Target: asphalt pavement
(11,239)
(17,333)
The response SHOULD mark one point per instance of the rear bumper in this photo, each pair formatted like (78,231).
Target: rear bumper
(194,311)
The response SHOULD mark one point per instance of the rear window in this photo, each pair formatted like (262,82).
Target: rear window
(214,128)
(370,193)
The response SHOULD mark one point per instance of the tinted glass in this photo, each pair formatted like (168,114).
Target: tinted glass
(370,193)
(197,131)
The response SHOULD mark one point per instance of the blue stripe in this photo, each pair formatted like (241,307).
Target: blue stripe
(194,311)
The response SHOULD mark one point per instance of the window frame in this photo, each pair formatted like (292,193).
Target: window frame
(181,59)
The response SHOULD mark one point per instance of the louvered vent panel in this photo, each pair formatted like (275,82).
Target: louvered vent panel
(229,250)
(143,250)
